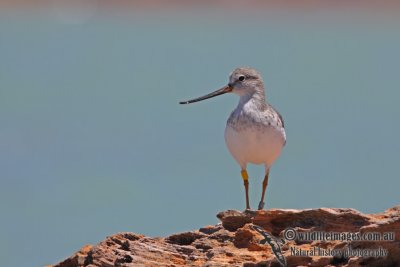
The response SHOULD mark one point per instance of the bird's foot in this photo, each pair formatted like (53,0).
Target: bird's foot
(261,205)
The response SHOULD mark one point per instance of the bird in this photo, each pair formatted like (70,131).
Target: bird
(255,130)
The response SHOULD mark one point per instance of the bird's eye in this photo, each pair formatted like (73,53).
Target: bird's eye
(241,78)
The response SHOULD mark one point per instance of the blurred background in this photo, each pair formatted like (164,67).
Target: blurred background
(93,141)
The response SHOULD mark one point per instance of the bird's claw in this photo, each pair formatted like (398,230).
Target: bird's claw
(261,205)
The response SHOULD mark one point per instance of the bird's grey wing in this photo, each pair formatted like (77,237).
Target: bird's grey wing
(280,118)
(272,117)
(275,120)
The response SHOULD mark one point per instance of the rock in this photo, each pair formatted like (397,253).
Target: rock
(246,237)
(210,229)
(80,258)
(237,242)
(186,238)
(233,219)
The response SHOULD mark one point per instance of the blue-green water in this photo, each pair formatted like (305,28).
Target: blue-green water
(93,142)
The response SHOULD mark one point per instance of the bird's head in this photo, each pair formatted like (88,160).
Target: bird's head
(245,81)
(242,81)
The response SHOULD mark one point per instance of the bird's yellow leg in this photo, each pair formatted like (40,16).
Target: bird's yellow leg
(264,188)
(245,177)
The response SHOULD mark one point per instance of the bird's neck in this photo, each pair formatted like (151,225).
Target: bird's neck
(254,99)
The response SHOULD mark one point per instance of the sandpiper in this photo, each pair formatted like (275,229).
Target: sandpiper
(254,131)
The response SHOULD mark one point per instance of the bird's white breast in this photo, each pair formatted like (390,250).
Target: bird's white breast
(253,146)
(254,137)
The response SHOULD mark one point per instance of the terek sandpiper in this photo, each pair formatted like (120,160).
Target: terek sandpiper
(254,131)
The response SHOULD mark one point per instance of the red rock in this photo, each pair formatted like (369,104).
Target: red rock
(236,243)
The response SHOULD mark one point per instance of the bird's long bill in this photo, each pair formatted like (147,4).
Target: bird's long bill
(223,90)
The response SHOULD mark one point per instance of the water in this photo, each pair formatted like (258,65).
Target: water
(93,142)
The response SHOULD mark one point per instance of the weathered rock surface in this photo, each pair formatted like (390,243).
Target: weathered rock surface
(234,242)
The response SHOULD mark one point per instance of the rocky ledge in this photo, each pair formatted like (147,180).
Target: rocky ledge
(237,241)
